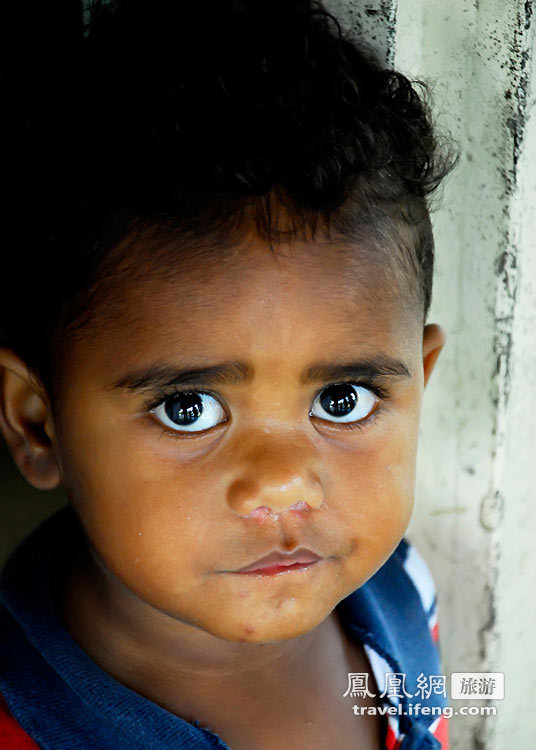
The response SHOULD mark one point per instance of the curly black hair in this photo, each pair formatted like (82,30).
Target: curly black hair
(192,116)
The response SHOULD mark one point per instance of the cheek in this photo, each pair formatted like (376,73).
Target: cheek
(146,512)
(378,484)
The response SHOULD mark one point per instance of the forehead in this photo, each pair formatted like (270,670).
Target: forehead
(247,301)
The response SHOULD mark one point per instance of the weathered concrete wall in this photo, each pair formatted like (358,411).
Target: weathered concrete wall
(372,23)
(475,521)
(515,605)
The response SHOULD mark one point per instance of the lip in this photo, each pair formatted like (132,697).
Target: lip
(278,562)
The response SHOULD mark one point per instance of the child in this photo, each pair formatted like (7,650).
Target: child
(220,267)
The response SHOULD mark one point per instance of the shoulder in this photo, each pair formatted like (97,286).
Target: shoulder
(414,570)
(420,577)
(12,735)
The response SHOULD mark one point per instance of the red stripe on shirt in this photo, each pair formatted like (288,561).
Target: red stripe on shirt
(12,735)
(441,733)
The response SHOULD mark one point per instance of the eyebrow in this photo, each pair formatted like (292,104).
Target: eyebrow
(165,374)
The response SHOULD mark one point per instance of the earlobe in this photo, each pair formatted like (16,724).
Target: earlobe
(26,422)
(434,338)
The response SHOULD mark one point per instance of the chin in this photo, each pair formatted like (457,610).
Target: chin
(253,627)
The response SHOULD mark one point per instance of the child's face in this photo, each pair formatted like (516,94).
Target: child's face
(172,513)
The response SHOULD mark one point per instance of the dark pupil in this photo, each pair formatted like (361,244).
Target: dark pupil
(339,400)
(184,409)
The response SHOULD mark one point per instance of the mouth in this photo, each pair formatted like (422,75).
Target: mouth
(281,562)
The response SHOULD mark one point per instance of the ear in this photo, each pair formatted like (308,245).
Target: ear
(26,422)
(433,340)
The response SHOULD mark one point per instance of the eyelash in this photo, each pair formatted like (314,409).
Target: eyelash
(157,398)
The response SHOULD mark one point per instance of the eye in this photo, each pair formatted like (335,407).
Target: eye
(190,411)
(344,403)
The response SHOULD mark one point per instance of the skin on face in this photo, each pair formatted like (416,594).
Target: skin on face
(171,514)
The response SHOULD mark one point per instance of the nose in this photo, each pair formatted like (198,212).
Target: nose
(276,478)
